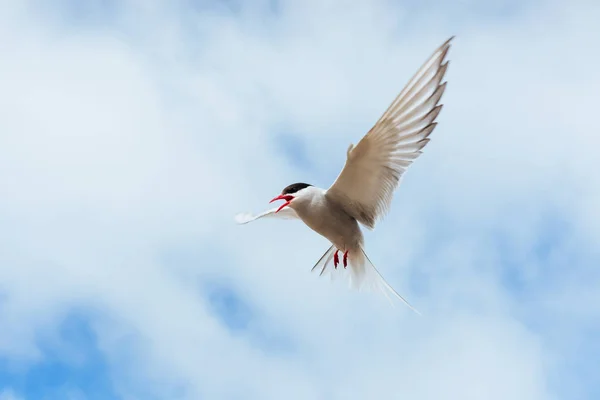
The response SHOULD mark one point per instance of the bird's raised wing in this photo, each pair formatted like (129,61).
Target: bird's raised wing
(374,167)
(285,213)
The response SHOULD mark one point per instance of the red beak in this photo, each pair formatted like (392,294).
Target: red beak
(285,197)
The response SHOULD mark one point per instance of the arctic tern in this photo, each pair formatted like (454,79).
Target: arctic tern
(363,191)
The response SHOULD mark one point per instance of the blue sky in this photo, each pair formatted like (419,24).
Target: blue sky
(133,132)
(71,363)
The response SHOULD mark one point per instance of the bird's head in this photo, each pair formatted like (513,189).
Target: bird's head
(290,193)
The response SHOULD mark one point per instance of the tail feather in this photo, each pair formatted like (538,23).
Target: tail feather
(324,260)
(382,284)
(361,272)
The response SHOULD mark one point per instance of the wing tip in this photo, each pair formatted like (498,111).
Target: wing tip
(242,218)
(448,42)
(444,49)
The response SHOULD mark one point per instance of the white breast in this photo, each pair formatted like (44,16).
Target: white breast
(327,218)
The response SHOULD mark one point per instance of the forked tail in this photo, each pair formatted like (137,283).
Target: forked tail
(361,272)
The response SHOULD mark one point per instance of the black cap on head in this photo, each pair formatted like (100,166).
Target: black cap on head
(294,187)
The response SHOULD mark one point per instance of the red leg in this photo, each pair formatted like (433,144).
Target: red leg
(346,259)
(336,259)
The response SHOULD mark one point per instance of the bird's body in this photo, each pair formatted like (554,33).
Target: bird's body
(328,218)
(363,191)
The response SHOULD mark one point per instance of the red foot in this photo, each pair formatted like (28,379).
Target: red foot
(336,259)
(346,259)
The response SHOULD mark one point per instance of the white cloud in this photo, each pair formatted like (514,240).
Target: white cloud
(123,145)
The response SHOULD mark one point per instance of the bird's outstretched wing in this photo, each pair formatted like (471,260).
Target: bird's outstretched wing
(374,167)
(285,213)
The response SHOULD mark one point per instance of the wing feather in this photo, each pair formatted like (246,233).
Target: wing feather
(285,213)
(375,166)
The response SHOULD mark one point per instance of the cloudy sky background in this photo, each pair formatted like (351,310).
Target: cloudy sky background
(132,132)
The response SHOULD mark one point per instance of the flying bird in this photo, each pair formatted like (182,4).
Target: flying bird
(363,191)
